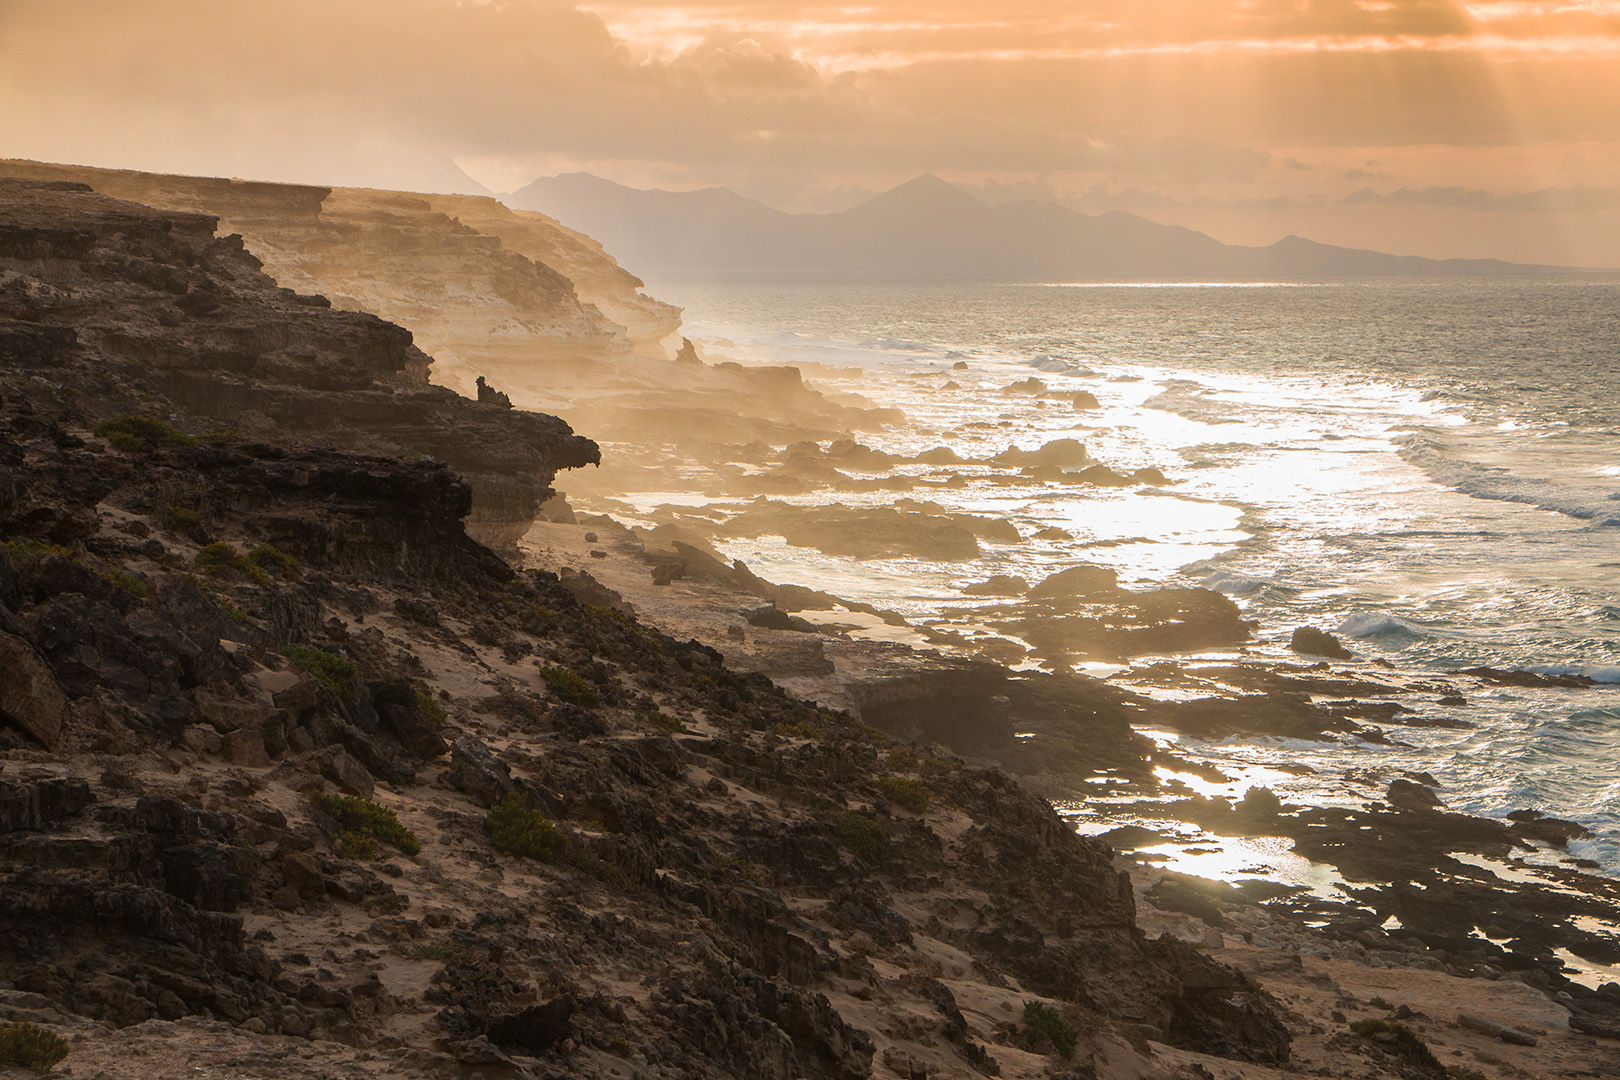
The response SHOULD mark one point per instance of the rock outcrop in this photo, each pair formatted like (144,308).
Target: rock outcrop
(473,280)
(145,312)
(267,654)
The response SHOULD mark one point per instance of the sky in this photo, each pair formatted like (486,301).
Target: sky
(1468,128)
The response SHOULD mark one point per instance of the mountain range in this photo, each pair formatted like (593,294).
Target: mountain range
(928,227)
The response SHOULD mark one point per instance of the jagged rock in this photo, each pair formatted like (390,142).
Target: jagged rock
(533,1030)
(1406,795)
(478,772)
(1059,452)
(303,873)
(268,363)
(29,695)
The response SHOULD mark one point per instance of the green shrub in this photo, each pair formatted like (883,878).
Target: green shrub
(517,829)
(29,550)
(665,721)
(1406,1044)
(129,583)
(432,710)
(222,558)
(569,686)
(797,731)
(741,866)
(138,433)
(361,821)
(1379,1003)
(332,671)
(1044,1022)
(268,557)
(862,837)
(902,759)
(905,793)
(31,1046)
(179,519)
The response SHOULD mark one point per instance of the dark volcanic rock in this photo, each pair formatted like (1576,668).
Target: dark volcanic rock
(1313,642)
(254,358)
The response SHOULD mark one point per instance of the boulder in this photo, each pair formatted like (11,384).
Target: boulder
(29,696)
(475,770)
(1310,641)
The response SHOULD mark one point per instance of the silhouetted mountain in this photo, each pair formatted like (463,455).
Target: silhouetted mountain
(927,226)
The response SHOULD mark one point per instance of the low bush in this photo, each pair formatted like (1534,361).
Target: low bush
(336,673)
(222,558)
(517,829)
(31,1046)
(139,433)
(569,686)
(862,837)
(179,519)
(361,820)
(1044,1023)
(432,710)
(29,550)
(913,795)
(129,583)
(797,731)
(663,720)
(268,558)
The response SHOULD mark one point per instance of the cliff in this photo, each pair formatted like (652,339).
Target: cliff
(290,765)
(471,279)
(147,312)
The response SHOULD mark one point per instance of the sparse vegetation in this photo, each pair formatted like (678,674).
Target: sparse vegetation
(134,434)
(28,550)
(222,558)
(1045,1024)
(1380,1003)
(517,829)
(797,731)
(179,519)
(903,759)
(908,794)
(1403,1042)
(31,1046)
(432,710)
(862,837)
(663,720)
(332,671)
(362,823)
(569,686)
(1463,1072)
(742,866)
(129,583)
(272,560)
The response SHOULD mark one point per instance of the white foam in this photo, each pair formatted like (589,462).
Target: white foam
(1374,623)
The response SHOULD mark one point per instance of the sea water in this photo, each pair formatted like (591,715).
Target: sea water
(1428,467)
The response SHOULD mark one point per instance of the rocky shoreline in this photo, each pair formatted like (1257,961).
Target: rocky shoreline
(299,779)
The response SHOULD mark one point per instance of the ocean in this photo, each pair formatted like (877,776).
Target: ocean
(1427,467)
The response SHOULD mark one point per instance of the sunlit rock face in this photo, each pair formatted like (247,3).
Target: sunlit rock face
(476,283)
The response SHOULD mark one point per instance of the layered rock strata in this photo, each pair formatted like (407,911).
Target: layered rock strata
(149,312)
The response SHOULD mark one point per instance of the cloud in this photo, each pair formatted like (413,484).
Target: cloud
(1559,200)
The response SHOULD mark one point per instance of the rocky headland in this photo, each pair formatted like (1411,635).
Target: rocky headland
(298,778)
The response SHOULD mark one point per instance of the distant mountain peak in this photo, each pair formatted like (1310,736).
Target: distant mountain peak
(927,192)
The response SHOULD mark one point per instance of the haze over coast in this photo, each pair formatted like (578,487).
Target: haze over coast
(894,557)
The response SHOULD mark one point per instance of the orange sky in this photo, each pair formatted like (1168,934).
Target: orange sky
(1426,126)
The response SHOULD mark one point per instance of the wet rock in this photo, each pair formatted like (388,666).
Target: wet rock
(1059,452)
(998,585)
(1313,642)
(1406,795)
(771,617)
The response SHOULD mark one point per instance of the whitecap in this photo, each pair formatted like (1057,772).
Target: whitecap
(1370,624)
